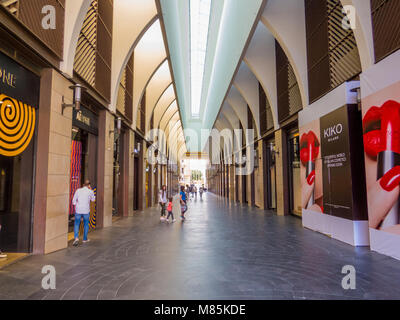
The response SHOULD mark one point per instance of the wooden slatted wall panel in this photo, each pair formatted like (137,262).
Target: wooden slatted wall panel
(141,115)
(289,98)
(94,49)
(332,51)
(129,89)
(344,59)
(386,27)
(29,13)
(85,56)
(121,93)
(263,109)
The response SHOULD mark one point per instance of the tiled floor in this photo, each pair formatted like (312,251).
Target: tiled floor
(11,258)
(222,251)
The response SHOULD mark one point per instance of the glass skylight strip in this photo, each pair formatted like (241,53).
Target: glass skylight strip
(199,24)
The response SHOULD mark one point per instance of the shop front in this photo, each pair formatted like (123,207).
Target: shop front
(19,102)
(121,168)
(293,147)
(270,174)
(137,173)
(84,155)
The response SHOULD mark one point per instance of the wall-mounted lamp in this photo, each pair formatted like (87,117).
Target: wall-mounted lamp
(274,149)
(118,126)
(256,156)
(78,90)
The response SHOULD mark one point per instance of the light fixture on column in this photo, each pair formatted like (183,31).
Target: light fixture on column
(118,127)
(78,90)
(256,158)
(274,149)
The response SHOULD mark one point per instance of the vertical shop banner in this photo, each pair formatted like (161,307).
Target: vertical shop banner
(75,175)
(336,167)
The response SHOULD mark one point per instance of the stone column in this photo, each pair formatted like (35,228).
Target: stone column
(106,168)
(51,204)
(282,189)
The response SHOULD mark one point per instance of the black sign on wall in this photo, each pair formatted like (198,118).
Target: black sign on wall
(86,120)
(18,83)
(343,164)
(336,164)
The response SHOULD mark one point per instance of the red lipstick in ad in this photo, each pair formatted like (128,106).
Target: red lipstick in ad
(309,150)
(382,140)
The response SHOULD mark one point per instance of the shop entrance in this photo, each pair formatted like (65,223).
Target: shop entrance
(138,174)
(236,187)
(244,188)
(148,186)
(294,173)
(19,102)
(120,172)
(270,176)
(136,184)
(16,176)
(83,159)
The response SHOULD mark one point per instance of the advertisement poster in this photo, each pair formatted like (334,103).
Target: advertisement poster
(381,130)
(311,167)
(336,168)
(332,165)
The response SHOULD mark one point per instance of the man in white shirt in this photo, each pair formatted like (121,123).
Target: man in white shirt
(81,201)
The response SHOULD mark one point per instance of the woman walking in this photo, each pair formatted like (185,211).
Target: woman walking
(163,201)
(183,200)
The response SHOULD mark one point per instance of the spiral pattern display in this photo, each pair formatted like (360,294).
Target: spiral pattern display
(17,125)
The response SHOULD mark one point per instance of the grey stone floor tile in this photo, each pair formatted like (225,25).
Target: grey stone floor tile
(223,251)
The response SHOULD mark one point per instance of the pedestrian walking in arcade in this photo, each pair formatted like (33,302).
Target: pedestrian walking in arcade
(183,200)
(81,201)
(169,209)
(162,199)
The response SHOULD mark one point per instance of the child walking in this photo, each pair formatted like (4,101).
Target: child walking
(169,209)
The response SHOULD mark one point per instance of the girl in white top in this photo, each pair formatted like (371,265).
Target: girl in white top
(163,201)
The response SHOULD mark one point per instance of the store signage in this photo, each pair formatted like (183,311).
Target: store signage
(336,169)
(86,120)
(8,78)
(19,97)
(330,149)
(333,131)
(18,83)
(82,118)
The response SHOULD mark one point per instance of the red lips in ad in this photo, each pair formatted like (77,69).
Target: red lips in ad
(382,129)
(309,147)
